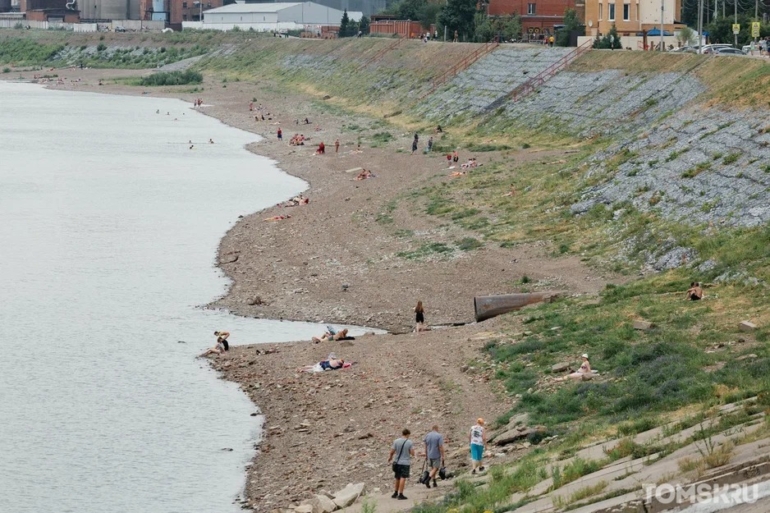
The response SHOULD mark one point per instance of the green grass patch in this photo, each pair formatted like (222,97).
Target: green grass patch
(172,78)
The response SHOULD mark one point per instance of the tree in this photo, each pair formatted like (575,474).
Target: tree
(610,41)
(409,9)
(458,15)
(687,36)
(363,25)
(571,23)
(428,14)
(486,28)
(345,25)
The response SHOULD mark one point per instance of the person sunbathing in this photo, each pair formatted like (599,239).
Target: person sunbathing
(331,334)
(583,373)
(278,218)
(363,175)
(512,192)
(324,365)
(695,292)
(457,174)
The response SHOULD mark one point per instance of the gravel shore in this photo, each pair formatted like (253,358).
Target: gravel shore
(336,260)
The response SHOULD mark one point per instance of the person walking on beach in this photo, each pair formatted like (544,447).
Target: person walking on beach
(404,449)
(419,317)
(434,453)
(414,143)
(280,134)
(477,439)
(430,144)
(337,146)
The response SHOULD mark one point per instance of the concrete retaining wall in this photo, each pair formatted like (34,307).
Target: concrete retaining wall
(488,80)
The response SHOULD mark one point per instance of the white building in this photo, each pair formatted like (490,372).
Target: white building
(271,17)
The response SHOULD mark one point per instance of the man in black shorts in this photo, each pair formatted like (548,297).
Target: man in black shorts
(403,450)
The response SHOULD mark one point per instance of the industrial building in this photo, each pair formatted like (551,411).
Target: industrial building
(368,7)
(272,17)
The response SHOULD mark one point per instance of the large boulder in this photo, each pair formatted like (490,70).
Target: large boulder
(322,504)
(304,508)
(512,435)
(348,495)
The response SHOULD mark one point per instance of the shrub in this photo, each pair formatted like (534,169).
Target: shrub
(102,47)
(172,78)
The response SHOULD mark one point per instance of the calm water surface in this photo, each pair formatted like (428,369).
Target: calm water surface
(109,225)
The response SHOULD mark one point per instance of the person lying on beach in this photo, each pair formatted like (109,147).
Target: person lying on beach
(470,164)
(458,174)
(364,174)
(297,201)
(512,192)
(278,218)
(324,365)
(331,334)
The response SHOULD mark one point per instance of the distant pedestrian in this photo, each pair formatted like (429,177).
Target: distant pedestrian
(434,453)
(337,146)
(430,144)
(457,37)
(419,317)
(477,439)
(251,106)
(280,134)
(404,451)
(414,144)
(455,157)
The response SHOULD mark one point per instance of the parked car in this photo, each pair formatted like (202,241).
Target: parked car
(707,49)
(120,29)
(728,51)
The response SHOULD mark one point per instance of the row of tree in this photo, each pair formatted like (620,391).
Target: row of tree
(462,17)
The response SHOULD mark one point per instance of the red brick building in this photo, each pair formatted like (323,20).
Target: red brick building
(538,17)
(188,10)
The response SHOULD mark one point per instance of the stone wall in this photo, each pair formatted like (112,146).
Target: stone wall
(700,167)
(488,80)
(603,103)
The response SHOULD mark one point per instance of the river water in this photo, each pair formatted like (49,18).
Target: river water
(109,225)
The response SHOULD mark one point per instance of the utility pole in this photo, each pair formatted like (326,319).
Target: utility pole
(662,43)
(700,26)
(756,18)
(735,36)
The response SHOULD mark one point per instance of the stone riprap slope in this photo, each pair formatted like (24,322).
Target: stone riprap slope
(603,103)
(698,167)
(488,80)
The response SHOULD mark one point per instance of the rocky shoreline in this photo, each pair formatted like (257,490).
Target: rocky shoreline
(344,258)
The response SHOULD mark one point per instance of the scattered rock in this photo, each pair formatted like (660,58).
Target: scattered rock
(747,357)
(560,367)
(747,326)
(322,504)
(643,325)
(348,495)
(304,508)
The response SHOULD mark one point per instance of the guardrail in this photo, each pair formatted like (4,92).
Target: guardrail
(382,51)
(538,80)
(461,65)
